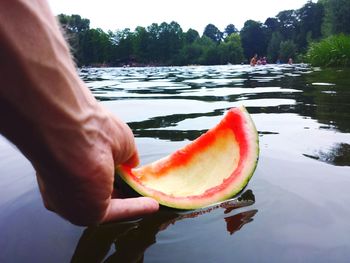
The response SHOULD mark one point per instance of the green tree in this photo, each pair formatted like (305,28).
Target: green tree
(213,33)
(289,21)
(273,49)
(310,18)
(141,44)
(190,36)
(191,54)
(191,50)
(287,50)
(154,34)
(208,53)
(95,47)
(272,24)
(73,23)
(254,40)
(337,16)
(274,38)
(230,29)
(170,41)
(231,50)
(124,46)
(74,26)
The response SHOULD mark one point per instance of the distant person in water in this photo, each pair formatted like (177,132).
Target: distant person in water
(258,62)
(290,61)
(48,112)
(254,60)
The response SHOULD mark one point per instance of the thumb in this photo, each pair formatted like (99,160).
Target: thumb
(119,209)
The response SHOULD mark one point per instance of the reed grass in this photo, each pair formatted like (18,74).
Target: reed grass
(333,51)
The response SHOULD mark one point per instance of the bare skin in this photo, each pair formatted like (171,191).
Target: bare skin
(72,142)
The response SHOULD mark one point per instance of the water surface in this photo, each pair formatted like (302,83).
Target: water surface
(295,208)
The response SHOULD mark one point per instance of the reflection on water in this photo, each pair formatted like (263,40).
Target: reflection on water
(298,112)
(181,103)
(131,239)
(339,154)
(301,184)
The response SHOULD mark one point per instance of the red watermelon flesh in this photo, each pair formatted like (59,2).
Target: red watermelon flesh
(212,168)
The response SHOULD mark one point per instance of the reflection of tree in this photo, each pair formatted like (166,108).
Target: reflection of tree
(338,155)
(331,102)
(150,127)
(131,239)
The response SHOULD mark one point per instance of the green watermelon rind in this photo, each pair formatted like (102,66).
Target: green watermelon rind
(190,203)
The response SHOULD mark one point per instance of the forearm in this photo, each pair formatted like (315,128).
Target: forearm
(34,45)
(51,116)
(38,77)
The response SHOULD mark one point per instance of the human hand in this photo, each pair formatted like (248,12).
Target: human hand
(80,189)
(54,120)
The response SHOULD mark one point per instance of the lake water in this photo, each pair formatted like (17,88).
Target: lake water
(294,209)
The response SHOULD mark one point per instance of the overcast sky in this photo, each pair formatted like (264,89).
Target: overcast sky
(114,14)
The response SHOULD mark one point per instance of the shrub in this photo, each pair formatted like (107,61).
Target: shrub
(333,51)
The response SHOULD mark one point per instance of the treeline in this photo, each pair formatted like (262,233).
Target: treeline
(288,34)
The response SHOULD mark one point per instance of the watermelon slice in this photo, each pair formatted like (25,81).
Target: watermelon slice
(212,168)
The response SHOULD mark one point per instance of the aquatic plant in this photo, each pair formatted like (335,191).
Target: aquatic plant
(333,51)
